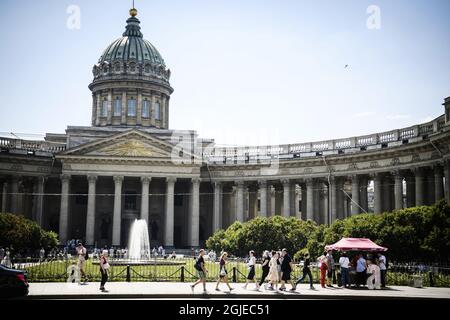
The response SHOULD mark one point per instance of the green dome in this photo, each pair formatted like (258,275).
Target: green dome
(132,46)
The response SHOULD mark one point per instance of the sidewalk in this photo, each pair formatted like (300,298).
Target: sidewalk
(167,290)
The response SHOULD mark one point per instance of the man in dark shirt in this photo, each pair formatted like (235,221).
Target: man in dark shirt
(286,269)
(306,271)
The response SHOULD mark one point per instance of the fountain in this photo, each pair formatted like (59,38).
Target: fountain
(139,250)
(139,242)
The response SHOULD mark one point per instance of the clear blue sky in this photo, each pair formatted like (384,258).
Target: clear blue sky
(244,72)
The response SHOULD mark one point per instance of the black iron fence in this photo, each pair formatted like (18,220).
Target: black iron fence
(182,270)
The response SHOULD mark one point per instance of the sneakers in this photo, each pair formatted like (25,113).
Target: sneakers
(217,289)
(312,288)
(293,290)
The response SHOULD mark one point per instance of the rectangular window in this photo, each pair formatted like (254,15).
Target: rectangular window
(131,108)
(105,108)
(117,108)
(157,111)
(130,200)
(146,109)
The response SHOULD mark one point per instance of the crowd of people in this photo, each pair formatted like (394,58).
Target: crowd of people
(277,267)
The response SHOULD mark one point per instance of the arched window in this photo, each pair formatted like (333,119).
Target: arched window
(132,67)
(104,112)
(146,109)
(117,107)
(157,111)
(147,68)
(131,107)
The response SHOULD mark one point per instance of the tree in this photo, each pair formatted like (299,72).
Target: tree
(24,234)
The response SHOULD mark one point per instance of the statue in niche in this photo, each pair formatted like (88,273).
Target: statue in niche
(104,227)
(154,230)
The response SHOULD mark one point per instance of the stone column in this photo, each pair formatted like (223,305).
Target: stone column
(419,186)
(90,217)
(110,109)
(14,193)
(447,180)
(410,191)
(363,193)
(263,197)
(333,195)
(310,199)
(252,202)
(139,108)
(398,190)
(117,218)
(293,199)
(99,101)
(386,194)
(355,195)
(145,183)
(340,198)
(64,209)
(39,199)
(169,221)
(240,201)
(377,182)
(326,210)
(4,196)
(195,213)
(438,184)
(286,197)
(124,108)
(217,210)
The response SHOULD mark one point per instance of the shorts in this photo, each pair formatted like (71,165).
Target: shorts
(286,276)
(201,274)
(251,273)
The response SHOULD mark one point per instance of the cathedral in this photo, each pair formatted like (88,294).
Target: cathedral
(93,181)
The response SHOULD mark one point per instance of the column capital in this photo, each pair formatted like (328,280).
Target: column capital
(92,178)
(41,179)
(146,180)
(396,174)
(239,183)
(262,183)
(285,181)
(118,179)
(65,177)
(418,171)
(309,181)
(171,179)
(217,184)
(354,177)
(195,180)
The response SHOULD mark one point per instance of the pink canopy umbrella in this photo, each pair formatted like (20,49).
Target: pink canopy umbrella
(355,244)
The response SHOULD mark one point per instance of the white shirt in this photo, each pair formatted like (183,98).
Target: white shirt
(382,262)
(251,261)
(344,262)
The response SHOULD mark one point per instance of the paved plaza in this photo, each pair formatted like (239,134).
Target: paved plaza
(175,290)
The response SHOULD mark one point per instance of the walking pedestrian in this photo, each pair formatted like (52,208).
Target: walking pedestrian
(273,275)
(223,273)
(330,265)
(373,272)
(104,266)
(286,269)
(201,271)
(265,267)
(251,264)
(306,271)
(82,252)
(344,263)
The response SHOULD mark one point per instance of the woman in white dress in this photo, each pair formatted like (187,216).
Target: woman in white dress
(273,276)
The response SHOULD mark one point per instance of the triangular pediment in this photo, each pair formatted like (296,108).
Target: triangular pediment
(129,144)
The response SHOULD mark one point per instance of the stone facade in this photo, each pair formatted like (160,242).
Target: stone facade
(92,182)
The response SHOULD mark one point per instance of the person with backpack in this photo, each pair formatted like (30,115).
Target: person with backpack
(82,257)
(201,271)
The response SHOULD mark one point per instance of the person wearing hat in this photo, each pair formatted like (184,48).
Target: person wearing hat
(82,252)
(306,271)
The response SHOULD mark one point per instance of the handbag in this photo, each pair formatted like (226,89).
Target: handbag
(106,266)
(223,272)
